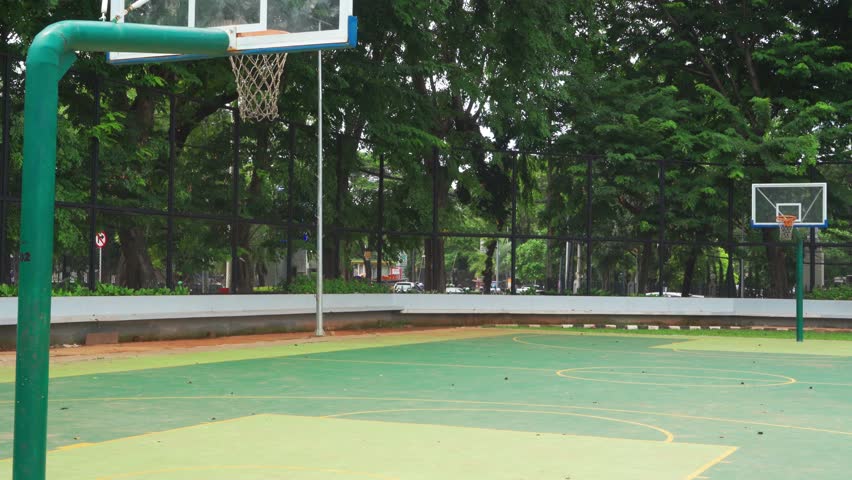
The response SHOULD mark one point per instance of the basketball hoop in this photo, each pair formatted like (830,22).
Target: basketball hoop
(786,224)
(258,79)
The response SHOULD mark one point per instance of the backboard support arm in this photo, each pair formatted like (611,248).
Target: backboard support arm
(50,56)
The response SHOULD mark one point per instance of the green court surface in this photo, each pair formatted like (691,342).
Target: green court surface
(458,404)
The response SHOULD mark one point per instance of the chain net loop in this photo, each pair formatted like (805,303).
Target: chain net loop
(786,224)
(258,80)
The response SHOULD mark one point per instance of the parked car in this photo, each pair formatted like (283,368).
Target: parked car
(455,290)
(407,287)
(529,290)
(671,295)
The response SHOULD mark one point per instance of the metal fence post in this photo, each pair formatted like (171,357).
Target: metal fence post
(94,178)
(235,206)
(513,239)
(661,227)
(588,225)
(338,213)
(381,233)
(170,204)
(433,277)
(291,160)
(4,166)
(800,290)
(812,243)
(730,285)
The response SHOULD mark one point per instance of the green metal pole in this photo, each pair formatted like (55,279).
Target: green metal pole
(49,57)
(800,289)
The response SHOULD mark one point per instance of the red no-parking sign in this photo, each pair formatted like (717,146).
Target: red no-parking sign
(101,239)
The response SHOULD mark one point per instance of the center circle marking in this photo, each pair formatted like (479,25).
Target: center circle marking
(744,379)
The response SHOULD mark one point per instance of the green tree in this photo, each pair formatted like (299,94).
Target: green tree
(531,258)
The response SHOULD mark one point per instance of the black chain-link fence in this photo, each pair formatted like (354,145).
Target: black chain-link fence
(191,197)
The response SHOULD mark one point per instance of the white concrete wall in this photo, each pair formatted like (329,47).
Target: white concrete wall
(110,309)
(579,305)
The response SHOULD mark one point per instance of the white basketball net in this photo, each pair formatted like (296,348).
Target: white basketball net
(258,80)
(786,224)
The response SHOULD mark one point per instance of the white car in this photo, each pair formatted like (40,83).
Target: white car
(671,295)
(403,287)
(526,290)
(455,290)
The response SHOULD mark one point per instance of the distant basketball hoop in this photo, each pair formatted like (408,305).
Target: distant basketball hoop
(787,206)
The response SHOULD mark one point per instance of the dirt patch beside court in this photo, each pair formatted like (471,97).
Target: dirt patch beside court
(64,354)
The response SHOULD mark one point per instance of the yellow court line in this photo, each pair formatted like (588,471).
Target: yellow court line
(790,358)
(826,383)
(417,364)
(788,380)
(294,468)
(460,402)
(600,369)
(651,374)
(707,466)
(517,339)
(75,445)
(657,384)
(669,435)
(805,359)
(143,435)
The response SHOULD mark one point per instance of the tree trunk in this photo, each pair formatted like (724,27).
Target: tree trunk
(135,267)
(137,270)
(488,273)
(435,281)
(777,267)
(368,269)
(550,281)
(244,282)
(550,277)
(730,283)
(336,265)
(344,264)
(341,181)
(435,278)
(711,278)
(366,254)
(260,272)
(412,266)
(689,271)
(645,259)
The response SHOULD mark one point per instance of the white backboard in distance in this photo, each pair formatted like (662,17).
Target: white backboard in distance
(808,202)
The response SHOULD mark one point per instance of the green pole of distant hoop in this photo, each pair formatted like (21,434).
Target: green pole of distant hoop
(800,289)
(50,55)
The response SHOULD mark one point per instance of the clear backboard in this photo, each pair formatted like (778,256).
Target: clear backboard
(257,26)
(808,202)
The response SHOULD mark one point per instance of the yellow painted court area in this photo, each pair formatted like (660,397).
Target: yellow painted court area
(251,352)
(270,447)
(763,345)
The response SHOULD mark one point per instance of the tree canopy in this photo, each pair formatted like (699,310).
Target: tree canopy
(458,101)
